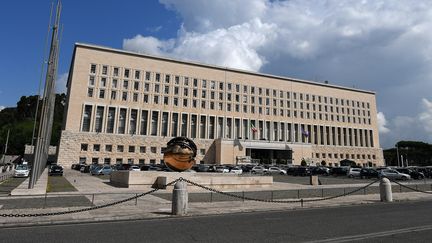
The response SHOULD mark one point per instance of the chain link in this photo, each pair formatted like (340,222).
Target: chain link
(11,215)
(208,189)
(271,200)
(408,187)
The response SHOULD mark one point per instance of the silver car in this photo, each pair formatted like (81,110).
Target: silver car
(394,174)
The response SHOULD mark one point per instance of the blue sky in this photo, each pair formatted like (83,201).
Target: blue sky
(379,45)
(24,27)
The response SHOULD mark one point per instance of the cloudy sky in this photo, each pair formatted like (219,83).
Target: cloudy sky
(383,46)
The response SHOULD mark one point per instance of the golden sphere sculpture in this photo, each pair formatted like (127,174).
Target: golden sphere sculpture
(180,154)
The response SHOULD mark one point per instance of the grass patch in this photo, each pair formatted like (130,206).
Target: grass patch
(59,184)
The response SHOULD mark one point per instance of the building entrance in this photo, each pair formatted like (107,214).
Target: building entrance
(270,156)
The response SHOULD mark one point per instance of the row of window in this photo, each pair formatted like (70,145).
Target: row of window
(327,113)
(346,156)
(212,85)
(158,123)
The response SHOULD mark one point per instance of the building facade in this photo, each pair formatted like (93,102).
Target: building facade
(123,107)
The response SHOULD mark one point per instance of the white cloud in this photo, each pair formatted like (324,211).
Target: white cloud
(60,85)
(235,47)
(378,45)
(382,123)
(425,117)
(2,107)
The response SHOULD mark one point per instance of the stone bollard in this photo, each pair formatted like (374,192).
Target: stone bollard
(313,180)
(180,199)
(385,190)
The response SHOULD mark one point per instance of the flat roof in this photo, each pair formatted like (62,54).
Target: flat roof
(119,51)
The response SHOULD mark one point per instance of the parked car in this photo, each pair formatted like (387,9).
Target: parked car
(301,171)
(102,170)
(236,170)
(394,174)
(413,173)
(276,170)
(339,171)
(55,170)
(222,169)
(134,168)
(367,173)
(150,168)
(354,172)
(21,171)
(85,169)
(319,170)
(258,170)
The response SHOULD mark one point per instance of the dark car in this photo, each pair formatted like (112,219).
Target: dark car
(339,171)
(367,173)
(320,170)
(301,171)
(413,173)
(150,168)
(55,170)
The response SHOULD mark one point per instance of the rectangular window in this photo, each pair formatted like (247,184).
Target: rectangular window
(131,149)
(167,78)
(154,123)
(147,76)
(110,120)
(125,84)
(99,118)
(193,126)
(211,127)
(124,96)
(108,148)
(144,121)
(174,124)
(90,92)
(93,68)
(164,124)
(116,72)
(157,78)
(120,148)
(137,74)
(142,149)
(91,81)
(104,70)
(122,121)
(133,121)
(113,95)
(86,118)
(126,73)
(101,94)
(184,125)
(203,127)
(84,147)
(96,147)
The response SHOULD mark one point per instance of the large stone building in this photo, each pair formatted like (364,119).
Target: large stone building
(123,107)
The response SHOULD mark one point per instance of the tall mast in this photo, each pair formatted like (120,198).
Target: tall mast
(48,102)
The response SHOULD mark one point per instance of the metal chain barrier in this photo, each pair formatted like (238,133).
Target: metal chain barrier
(85,209)
(408,187)
(273,201)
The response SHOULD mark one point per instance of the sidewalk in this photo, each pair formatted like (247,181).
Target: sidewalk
(150,206)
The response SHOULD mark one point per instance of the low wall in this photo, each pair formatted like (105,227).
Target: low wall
(213,180)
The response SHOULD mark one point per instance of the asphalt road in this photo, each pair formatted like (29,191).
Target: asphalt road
(395,222)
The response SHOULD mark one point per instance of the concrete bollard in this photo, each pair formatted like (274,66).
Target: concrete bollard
(313,180)
(385,190)
(180,199)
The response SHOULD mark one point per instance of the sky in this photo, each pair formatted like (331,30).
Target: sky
(379,45)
